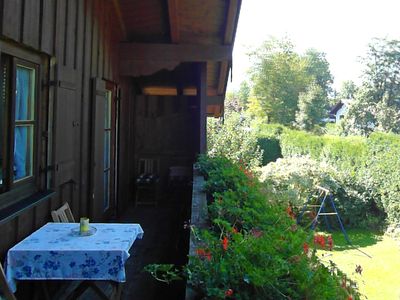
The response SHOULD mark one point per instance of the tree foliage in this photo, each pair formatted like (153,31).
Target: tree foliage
(279,75)
(234,140)
(312,107)
(376,105)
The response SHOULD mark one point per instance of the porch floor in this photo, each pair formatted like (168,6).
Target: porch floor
(164,241)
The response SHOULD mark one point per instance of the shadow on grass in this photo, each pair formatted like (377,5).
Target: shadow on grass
(359,238)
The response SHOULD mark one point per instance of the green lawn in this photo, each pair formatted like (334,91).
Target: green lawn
(380,278)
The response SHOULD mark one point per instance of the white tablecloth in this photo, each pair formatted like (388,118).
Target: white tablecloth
(56,251)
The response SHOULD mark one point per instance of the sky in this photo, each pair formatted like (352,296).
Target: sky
(340,28)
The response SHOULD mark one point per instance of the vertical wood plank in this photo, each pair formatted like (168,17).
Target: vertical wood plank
(100,61)
(48,26)
(31,22)
(202,88)
(95,39)
(107,42)
(24,224)
(85,128)
(71,33)
(8,237)
(60,31)
(12,21)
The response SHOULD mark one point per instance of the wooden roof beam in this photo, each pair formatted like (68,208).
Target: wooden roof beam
(136,59)
(173,17)
(170,52)
(231,20)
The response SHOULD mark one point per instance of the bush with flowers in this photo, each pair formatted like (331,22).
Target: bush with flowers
(253,248)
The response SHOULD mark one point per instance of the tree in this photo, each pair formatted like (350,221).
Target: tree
(376,105)
(347,90)
(312,107)
(244,93)
(317,67)
(279,75)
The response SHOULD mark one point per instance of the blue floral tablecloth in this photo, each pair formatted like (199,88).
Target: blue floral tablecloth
(56,251)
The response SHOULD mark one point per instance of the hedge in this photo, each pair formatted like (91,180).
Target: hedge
(372,163)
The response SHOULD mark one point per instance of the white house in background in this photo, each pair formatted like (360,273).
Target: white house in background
(339,110)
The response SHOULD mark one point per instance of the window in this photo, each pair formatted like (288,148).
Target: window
(107,149)
(19,121)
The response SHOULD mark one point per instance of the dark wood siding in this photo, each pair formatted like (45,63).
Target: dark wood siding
(80,38)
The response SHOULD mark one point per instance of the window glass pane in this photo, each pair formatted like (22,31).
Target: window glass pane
(3,85)
(25,94)
(107,110)
(107,135)
(23,152)
(106,202)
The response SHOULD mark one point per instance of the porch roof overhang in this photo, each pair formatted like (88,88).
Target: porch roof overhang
(173,35)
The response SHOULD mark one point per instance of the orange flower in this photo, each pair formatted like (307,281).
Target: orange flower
(229,293)
(306,248)
(225,242)
(290,212)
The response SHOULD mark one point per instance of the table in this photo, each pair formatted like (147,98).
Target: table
(56,251)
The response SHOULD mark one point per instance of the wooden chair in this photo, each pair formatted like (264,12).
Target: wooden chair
(63,214)
(147,182)
(4,287)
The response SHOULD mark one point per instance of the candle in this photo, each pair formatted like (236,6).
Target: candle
(84,225)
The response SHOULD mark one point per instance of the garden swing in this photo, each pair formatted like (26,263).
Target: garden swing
(324,197)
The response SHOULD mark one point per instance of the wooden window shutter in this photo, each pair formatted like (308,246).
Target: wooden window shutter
(66,124)
(97,146)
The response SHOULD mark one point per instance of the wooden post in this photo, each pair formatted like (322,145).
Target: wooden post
(202,96)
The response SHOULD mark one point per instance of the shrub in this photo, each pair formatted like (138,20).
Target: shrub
(368,169)
(294,179)
(234,139)
(253,248)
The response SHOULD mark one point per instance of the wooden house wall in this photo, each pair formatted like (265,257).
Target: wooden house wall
(80,38)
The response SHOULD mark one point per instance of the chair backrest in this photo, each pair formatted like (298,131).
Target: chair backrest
(148,166)
(4,287)
(63,214)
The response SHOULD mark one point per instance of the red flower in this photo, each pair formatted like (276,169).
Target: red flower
(350,297)
(234,230)
(306,248)
(204,253)
(320,240)
(224,243)
(229,293)
(330,243)
(256,233)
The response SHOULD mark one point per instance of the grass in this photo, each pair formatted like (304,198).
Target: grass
(380,274)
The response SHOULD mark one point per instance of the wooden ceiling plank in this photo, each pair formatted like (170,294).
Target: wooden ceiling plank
(117,7)
(173,16)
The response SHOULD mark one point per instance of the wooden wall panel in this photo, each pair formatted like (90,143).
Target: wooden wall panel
(60,32)
(47,26)
(12,16)
(85,128)
(8,237)
(71,33)
(95,39)
(82,38)
(31,22)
